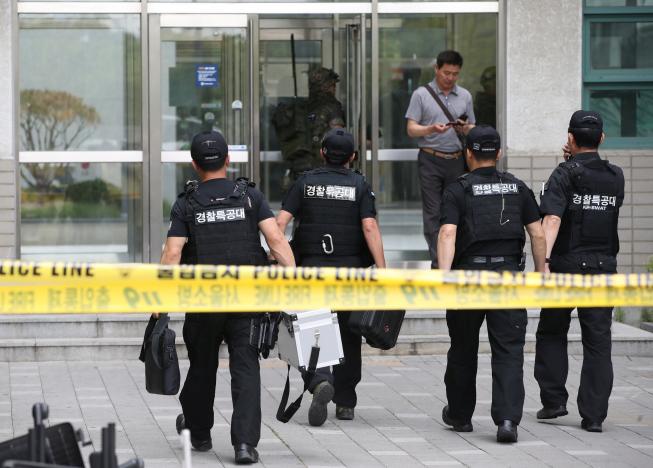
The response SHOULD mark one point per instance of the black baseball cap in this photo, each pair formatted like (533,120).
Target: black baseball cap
(338,145)
(208,148)
(586,120)
(483,139)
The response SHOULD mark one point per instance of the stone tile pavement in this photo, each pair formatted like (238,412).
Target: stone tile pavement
(397,421)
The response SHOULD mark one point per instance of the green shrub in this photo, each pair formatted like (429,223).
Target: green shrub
(88,191)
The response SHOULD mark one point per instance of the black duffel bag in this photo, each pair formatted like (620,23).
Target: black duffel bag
(159,354)
(379,327)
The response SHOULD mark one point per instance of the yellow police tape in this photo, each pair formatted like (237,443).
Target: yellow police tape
(52,288)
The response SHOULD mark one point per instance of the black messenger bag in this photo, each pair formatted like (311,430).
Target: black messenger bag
(160,357)
(379,327)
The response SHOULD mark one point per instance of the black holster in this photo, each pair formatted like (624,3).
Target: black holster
(264,332)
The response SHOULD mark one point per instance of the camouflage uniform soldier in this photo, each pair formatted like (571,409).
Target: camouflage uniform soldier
(301,125)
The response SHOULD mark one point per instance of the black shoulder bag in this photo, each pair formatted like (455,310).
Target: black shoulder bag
(159,354)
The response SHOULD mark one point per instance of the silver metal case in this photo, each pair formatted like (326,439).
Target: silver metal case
(298,332)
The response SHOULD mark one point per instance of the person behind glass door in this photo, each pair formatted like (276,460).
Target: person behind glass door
(440,154)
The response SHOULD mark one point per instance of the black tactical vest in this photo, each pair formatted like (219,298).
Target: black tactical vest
(589,223)
(493,207)
(330,223)
(222,232)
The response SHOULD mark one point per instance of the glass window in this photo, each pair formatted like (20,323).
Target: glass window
(618,69)
(83,211)
(80,82)
(625,112)
(285,93)
(621,45)
(204,85)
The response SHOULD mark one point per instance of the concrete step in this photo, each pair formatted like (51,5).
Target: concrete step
(133,325)
(627,341)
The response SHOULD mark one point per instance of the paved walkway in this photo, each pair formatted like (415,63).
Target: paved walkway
(397,421)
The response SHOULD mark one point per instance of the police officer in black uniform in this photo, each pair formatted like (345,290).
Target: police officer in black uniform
(217,222)
(580,204)
(335,225)
(483,218)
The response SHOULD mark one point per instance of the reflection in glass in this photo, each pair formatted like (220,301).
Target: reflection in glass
(408,45)
(80,81)
(82,211)
(175,176)
(625,112)
(285,96)
(621,45)
(204,85)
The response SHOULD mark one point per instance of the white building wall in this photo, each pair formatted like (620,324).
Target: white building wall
(8,190)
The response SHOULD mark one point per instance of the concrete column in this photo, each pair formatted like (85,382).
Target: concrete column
(544,73)
(8,153)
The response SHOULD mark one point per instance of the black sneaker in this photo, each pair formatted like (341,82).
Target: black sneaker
(322,394)
(507,432)
(552,413)
(198,444)
(344,413)
(591,426)
(245,454)
(457,425)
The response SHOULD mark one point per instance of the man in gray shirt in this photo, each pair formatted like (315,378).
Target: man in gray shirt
(440,159)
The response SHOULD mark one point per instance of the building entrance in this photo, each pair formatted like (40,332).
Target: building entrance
(203,71)
(109,104)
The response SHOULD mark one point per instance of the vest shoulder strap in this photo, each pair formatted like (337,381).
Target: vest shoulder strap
(240,190)
(573,168)
(464,181)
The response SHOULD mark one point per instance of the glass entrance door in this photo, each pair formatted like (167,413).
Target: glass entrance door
(311,79)
(201,76)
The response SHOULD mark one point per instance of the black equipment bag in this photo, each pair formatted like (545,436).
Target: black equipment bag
(159,354)
(379,327)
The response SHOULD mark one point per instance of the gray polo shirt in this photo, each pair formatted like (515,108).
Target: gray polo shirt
(425,111)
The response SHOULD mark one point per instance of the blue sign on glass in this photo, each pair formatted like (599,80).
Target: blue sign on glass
(206,75)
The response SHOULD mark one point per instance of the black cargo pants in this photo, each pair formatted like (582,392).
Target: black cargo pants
(551,361)
(507,335)
(203,334)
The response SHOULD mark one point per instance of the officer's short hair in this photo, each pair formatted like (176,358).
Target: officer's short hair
(449,56)
(587,128)
(484,142)
(209,150)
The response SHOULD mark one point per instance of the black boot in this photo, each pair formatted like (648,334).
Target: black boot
(591,426)
(507,432)
(552,413)
(245,454)
(201,445)
(458,426)
(344,413)
(322,394)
